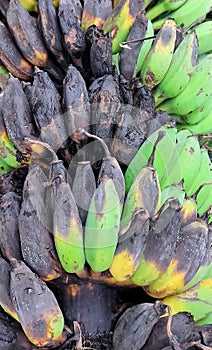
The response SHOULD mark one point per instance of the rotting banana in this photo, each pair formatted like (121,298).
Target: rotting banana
(102,226)
(188,212)
(184,60)
(95,12)
(158,59)
(30,5)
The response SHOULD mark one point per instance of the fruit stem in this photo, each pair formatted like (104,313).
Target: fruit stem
(105,147)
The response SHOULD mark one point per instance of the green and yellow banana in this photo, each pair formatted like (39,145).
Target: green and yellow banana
(184,60)
(158,59)
(196,91)
(30,5)
(102,226)
(162,6)
(188,212)
(197,300)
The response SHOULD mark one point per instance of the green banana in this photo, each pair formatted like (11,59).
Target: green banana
(188,254)
(190,161)
(204,198)
(203,127)
(206,320)
(159,57)
(160,244)
(197,300)
(198,114)
(121,20)
(162,6)
(192,11)
(204,174)
(147,43)
(143,194)
(204,32)
(173,191)
(196,91)
(102,226)
(184,60)
(68,237)
(4,167)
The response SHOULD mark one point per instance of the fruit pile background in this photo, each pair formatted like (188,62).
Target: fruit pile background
(105,174)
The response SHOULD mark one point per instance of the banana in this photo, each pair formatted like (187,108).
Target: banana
(30,5)
(68,238)
(28,291)
(188,254)
(203,127)
(159,57)
(204,198)
(196,91)
(4,7)
(115,61)
(203,32)
(162,235)
(95,13)
(37,249)
(164,6)
(50,29)
(188,212)
(198,114)
(143,194)
(146,45)
(191,12)
(197,300)
(10,204)
(204,175)
(206,320)
(142,156)
(190,161)
(4,167)
(184,60)
(174,191)
(121,20)
(130,53)
(11,56)
(102,226)
(83,188)
(5,299)
(4,75)
(130,247)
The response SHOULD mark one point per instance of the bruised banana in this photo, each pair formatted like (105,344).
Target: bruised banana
(162,235)
(196,300)
(184,60)
(143,194)
(121,20)
(196,91)
(164,6)
(158,59)
(68,237)
(44,324)
(5,299)
(38,249)
(130,247)
(204,198)
(10,204)
(102,226)
(187,256)
(95,13)
(12,57)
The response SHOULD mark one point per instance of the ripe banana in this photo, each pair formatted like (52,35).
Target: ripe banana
(5,299)
(188,255)
(196,300)
(191,12)
(121,20)
(44,324)
(130,247)
(164,6)
(68,238)
(204,198)
(203,127)
(196,92)
(146,45)
(204,175)
(203,32)
(95,13)
(38,249)
(130,53)
(10,204)
(184,60)
(159,57)
(143,194)
(102,226)
(198,114)
(162,235)
(11,56)
(83,188)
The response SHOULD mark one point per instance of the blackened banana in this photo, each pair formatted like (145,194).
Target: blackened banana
(10,247)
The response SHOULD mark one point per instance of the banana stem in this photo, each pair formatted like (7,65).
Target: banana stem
(105,147)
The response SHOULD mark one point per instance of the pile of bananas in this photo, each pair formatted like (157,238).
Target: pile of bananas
(118,188)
